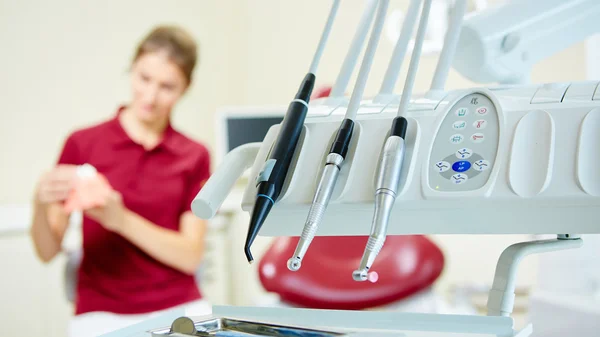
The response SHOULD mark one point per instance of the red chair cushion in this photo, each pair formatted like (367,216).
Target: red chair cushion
(406,265)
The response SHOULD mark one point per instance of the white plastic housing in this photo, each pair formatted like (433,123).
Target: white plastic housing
(544,177)
(502,43)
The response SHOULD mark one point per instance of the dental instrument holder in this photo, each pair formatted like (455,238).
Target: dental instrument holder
(540,175)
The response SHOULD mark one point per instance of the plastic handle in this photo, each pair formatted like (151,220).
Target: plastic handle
(218,186)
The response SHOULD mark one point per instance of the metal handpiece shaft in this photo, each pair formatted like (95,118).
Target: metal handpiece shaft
(333,163)
(384,201)
(317,209)
(386,190)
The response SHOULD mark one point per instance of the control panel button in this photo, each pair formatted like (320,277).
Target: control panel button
(442,166)
(461,166)
(462,112)
(477,137)
(481,165)
(480,124)
(482,111)
(459,125)
(457,138)
(459,178)
(464,153)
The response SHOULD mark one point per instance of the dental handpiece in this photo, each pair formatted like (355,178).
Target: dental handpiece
(270,180)
(272,176)
(390,162)
(329,176)
(340,145)
(386,190)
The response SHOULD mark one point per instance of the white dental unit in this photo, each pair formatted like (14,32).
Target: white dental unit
(515,158)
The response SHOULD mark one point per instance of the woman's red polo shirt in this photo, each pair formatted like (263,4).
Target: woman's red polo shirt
(159,185)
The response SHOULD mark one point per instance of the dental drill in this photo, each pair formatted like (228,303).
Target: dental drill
(339,148)
(390,163)
(272,177)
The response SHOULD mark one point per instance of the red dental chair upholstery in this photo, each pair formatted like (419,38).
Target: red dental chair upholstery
(406,265)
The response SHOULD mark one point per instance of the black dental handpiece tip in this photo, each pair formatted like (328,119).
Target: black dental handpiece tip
(306,87)
(248,254)
(399,127)
(262,206)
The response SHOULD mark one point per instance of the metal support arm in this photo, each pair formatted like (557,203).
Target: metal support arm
(502,296)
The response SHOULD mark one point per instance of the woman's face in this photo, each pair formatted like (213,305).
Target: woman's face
(157,84)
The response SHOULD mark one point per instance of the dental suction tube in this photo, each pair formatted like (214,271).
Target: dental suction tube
(390,163)
(393,70)
(339,147)
(339,87)
(272,176)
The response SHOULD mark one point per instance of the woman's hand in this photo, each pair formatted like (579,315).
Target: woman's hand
(111,213)
(55,185)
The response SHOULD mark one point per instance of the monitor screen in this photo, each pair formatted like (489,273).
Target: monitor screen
(243,130)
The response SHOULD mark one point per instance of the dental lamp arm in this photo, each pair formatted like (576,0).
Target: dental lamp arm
(503,43)
(220,183)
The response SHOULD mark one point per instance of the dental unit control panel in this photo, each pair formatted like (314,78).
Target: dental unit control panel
(465,146)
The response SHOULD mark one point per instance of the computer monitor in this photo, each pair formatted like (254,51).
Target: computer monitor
(238,126)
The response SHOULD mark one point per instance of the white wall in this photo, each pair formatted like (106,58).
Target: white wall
(64,65)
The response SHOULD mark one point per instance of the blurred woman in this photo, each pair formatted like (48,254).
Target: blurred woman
(142,246)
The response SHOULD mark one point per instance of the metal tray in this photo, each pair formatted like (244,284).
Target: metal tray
(230,327)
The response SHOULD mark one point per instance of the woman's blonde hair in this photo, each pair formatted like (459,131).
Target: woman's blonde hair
(179,45)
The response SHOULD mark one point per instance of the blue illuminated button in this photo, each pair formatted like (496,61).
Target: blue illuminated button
(461,166)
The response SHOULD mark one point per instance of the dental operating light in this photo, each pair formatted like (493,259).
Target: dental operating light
(272,177)
(339,147)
